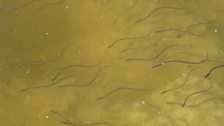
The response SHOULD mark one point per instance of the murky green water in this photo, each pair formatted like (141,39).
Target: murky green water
(111,63)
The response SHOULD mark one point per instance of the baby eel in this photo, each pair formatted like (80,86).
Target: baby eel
(70,123)
(182,62)
(85,84)
(197,104)
(212,70)
(117,90)
(20,6)
(191,26)
(60,55)
(184,53)
(51,4)
(86,124)
(72,66)
(125,11)
(157,56)
(204,102)
(8,17)
(156,10)
(60,115)
(198,92)
(187,30)
(185,81)
(47,86)
(94,1)
(131,50)
(125,39)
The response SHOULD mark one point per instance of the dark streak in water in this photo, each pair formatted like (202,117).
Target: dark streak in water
(85,84)
(51,4)
(178,87)
(128,38)
(213,69)
(117,90)
(157,56)
(72,66)
(86,124)
(198,92)
(156,10)
(20,6)
(182,62)
(47,86)
(187,30)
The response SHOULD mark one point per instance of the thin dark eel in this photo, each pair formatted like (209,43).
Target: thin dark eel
(60,115)
(86,124)
(197,104)
(198,92)
(193,25)
(178,87)
(60,55)
(212,70)
(47,86)
(85,84)
(119,89)
(71,66)
(132,49)
(123,12)
(182,62)
(20,6)
(51,4)
(154,11)
(128,38)
(186,30)
(157,56)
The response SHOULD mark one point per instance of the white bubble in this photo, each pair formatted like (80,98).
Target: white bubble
(143,102)
(28,71)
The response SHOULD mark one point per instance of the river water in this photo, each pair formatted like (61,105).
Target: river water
(111,63)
